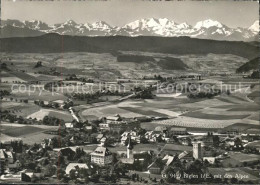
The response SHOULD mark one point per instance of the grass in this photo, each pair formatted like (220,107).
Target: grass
(241,126)
(201,115)
(255,117)
(143,112)
(19,109)
(66,116)
(255,144)
(30,134)
(39,115)
(38,95)
(19,131)
(237,159)
(184,121)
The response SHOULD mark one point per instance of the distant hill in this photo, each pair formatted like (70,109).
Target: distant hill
(9,31)
(171,63)
(168,63)
(52,43)
(251,65)
(133,58)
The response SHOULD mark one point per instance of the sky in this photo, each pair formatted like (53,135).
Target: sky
(121,12)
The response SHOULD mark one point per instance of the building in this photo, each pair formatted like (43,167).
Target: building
(103,141)
(204,140)
(197,151)
(104,126)
(154,136)
(132,134)
(129,152)
(113,118)
(123,140)
(154,168)
(99,137)
(186,155)
(75,166)
(185,141)
(60,103)
(178,131)
(69,125)
(3,160)
(8,161)
(169,159)
(101,156)
(211,160)
(160,128)
(89,128)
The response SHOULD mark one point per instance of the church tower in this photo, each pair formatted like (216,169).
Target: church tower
(129,148)
(197,151)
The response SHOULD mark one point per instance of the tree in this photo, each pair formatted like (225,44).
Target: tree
(73,174)
(38,64)
(228,92)
(170,175)
(95,178)
(50,170)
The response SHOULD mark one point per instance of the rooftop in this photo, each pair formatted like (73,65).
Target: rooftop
(74,165)
(101,151)
(178,129)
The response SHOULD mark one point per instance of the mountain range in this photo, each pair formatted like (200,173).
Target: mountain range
(56,43)
(207,29)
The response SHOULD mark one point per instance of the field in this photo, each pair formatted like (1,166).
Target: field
(30,134)
(237,159)
(219,112)
(105,66)
(39,115)
(18,108)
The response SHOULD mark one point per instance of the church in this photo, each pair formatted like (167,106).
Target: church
(129,153)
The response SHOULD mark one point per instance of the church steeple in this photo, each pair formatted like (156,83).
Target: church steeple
(130,145)
(129,148)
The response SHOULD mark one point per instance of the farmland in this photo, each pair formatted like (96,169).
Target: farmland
(30,134)
(219,112)
(222,111)
(39,115)
(105,66)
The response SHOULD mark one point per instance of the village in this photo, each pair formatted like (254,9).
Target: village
(127,122)
(115,147)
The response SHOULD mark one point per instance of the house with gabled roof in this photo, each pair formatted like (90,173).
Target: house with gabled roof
(101,156)
(75,166)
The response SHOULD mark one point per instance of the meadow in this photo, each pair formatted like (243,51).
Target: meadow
(30,134)
(219,112)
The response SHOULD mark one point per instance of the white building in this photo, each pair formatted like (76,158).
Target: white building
(75,166)
(197,150)
(101,156)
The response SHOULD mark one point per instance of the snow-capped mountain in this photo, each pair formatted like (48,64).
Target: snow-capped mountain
(207,24)
(206,29)
(255,27)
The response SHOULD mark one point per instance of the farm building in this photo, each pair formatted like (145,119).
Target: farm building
(178,131)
